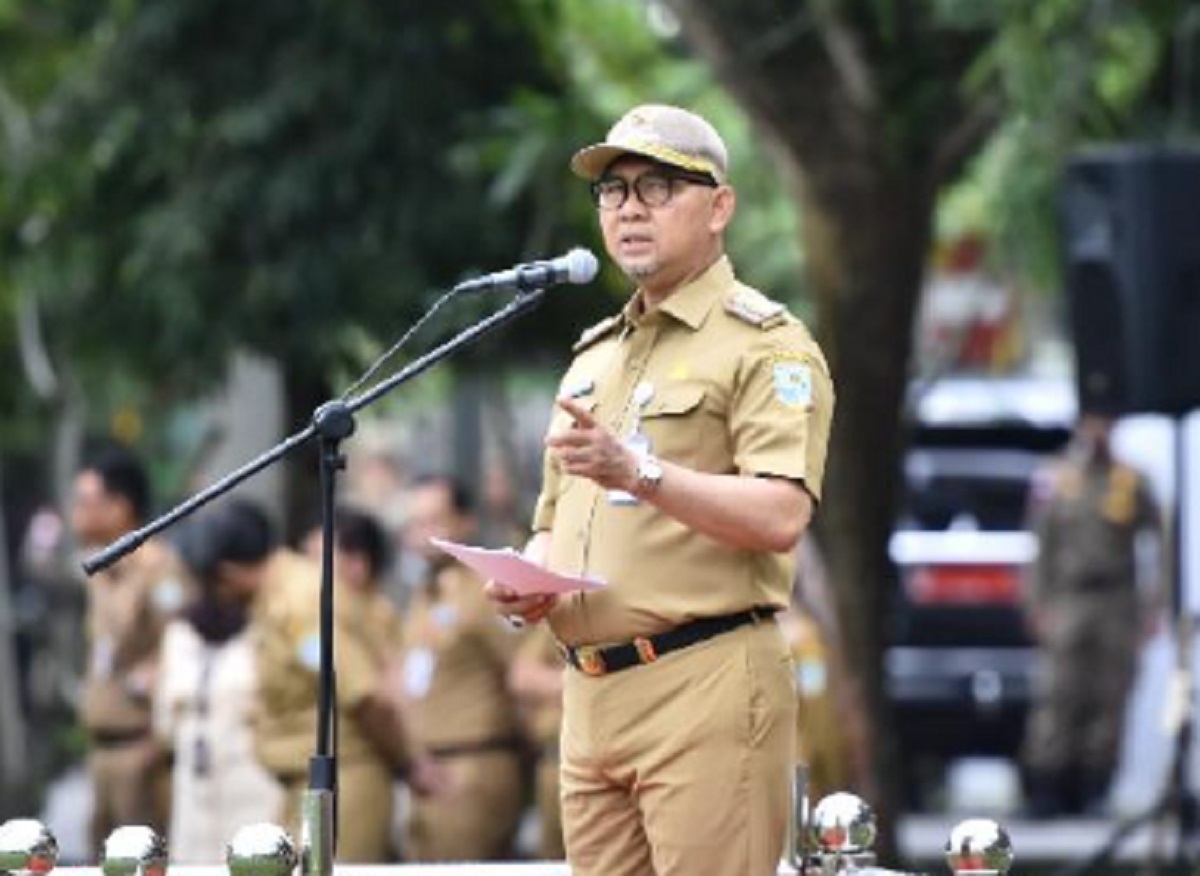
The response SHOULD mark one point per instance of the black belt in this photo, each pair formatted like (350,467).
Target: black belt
(484,747)
(114,738)
(597,660)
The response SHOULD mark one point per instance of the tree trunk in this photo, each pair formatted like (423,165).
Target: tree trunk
(865,327)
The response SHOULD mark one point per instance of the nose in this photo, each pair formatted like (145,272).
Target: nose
(633,208)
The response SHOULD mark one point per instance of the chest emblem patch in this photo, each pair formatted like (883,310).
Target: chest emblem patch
(793,384)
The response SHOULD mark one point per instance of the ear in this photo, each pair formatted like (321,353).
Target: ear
(724,205)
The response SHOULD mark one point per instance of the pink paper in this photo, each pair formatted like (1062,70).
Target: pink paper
(509,568)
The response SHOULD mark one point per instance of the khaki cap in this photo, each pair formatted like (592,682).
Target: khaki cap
(664,133)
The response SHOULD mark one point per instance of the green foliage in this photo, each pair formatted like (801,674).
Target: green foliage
(1072,72)
(279,176)
(181,178)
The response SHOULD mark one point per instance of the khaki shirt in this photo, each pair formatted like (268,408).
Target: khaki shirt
(455,672)
(718,379)
(129,605)
(286,634)
(1087,527)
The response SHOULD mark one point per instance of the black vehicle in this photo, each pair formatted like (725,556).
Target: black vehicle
(959,666)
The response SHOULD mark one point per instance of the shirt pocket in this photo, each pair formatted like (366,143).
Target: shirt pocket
(679,425)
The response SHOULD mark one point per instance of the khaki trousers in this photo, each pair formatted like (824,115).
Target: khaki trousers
(131,784)
(683,766)
(477,819)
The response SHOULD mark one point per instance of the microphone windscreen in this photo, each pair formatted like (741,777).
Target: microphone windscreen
(582,266)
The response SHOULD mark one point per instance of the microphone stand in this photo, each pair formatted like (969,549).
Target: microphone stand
(331,424)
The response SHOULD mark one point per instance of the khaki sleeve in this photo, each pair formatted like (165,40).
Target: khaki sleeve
(543,512)
(359,674)
(782,409)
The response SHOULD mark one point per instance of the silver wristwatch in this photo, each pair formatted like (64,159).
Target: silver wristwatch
(649,475)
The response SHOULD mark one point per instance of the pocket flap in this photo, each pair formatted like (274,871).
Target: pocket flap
(674,400)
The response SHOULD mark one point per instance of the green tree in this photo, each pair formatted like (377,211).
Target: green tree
(293,178)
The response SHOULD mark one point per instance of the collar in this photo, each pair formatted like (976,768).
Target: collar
(691,303)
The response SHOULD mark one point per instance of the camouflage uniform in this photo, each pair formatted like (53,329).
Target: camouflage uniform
(1089,616)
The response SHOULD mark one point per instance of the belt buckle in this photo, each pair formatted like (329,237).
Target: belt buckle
(591,661)
(645,650)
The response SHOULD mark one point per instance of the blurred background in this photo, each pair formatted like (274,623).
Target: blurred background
(215,215)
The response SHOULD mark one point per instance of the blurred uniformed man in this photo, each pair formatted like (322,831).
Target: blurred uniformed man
(1089,616)
(820,744)
(362,555)
(457,702)
(536,678)
(129,605)
(830,728)
(683,466)
(285,629)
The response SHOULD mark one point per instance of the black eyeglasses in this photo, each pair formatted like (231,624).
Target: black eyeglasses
(654,188)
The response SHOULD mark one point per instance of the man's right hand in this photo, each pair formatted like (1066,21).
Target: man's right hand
(511,604)
(429,778)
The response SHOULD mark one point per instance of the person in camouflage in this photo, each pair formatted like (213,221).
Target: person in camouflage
(1088,615)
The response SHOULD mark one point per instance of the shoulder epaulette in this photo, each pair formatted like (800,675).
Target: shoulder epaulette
(755,308)
(596,332)
(1125,476)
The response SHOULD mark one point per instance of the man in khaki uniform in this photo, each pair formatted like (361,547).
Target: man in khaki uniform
(129,605)
(536,678)
(456,697)
(682,468)
(1089,617)
(285,625)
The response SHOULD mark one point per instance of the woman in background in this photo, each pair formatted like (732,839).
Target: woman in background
(207,688)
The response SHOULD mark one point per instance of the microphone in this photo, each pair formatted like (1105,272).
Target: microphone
(577,267)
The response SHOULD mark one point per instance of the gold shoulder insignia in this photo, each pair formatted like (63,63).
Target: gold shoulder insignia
(1125,476)
(596,332)
(755,308)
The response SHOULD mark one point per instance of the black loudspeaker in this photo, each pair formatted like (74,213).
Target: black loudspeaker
(1131,223)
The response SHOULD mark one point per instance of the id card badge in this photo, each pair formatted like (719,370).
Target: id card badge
(639,443)
(419,664)
(103,657)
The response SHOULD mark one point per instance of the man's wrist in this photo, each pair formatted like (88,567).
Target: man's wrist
(648,476)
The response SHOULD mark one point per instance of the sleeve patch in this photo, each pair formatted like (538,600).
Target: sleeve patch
(793,383)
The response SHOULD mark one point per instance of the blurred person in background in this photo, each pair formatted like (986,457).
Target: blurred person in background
(206,696)
(436,506)
(361,558)
(285,630)
(129,605)
(504,520)
(1089,614)
(454,680)
(536,678)
(830,725)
